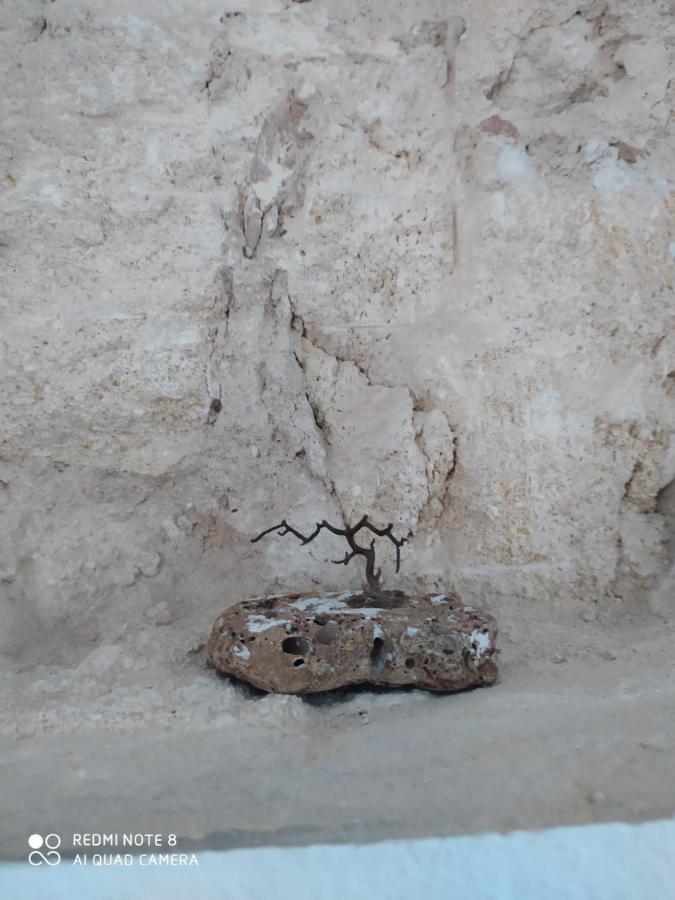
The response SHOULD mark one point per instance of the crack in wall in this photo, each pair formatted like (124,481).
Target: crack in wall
(591,82)
(439,465)
(628,485)
(664,506)
(299,324)
(427,429)
(217,339)
(646,516)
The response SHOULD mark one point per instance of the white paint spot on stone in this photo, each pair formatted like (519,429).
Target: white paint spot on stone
(412,631)
(171,530)
(256,624)
(152,152)
(594,150)
(318,604)
(331,605)
(137,27)
(611,179)
(267,189)
(54,194)
(181,335)
(514,165)
(481,642)
(439,598)
(305,90)
(242,652)
(545,416)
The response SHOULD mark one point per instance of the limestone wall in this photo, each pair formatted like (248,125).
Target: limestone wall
(316,259)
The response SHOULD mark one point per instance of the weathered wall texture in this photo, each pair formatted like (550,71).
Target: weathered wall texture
(315,259)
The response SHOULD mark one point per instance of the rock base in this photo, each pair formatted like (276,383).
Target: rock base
(304,643)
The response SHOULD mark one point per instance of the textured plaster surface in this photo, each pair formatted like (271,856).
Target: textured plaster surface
(307,260)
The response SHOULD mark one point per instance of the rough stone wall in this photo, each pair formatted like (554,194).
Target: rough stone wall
(315,259)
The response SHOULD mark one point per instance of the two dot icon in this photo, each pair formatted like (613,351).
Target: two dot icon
(49,855)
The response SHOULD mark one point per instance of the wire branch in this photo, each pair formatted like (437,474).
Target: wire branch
(348,558)
(349,533)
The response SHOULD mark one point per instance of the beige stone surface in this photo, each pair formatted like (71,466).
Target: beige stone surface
(320,260)
(579,729)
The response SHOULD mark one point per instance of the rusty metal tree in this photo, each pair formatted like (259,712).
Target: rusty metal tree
(349,534)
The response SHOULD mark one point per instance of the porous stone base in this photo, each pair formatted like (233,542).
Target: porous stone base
(305,643)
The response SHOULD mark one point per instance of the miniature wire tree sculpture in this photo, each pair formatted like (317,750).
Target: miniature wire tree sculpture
(349,534)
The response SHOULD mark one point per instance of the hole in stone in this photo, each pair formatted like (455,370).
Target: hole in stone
(377,654)
(410,663)
(298,662)
(295,645)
